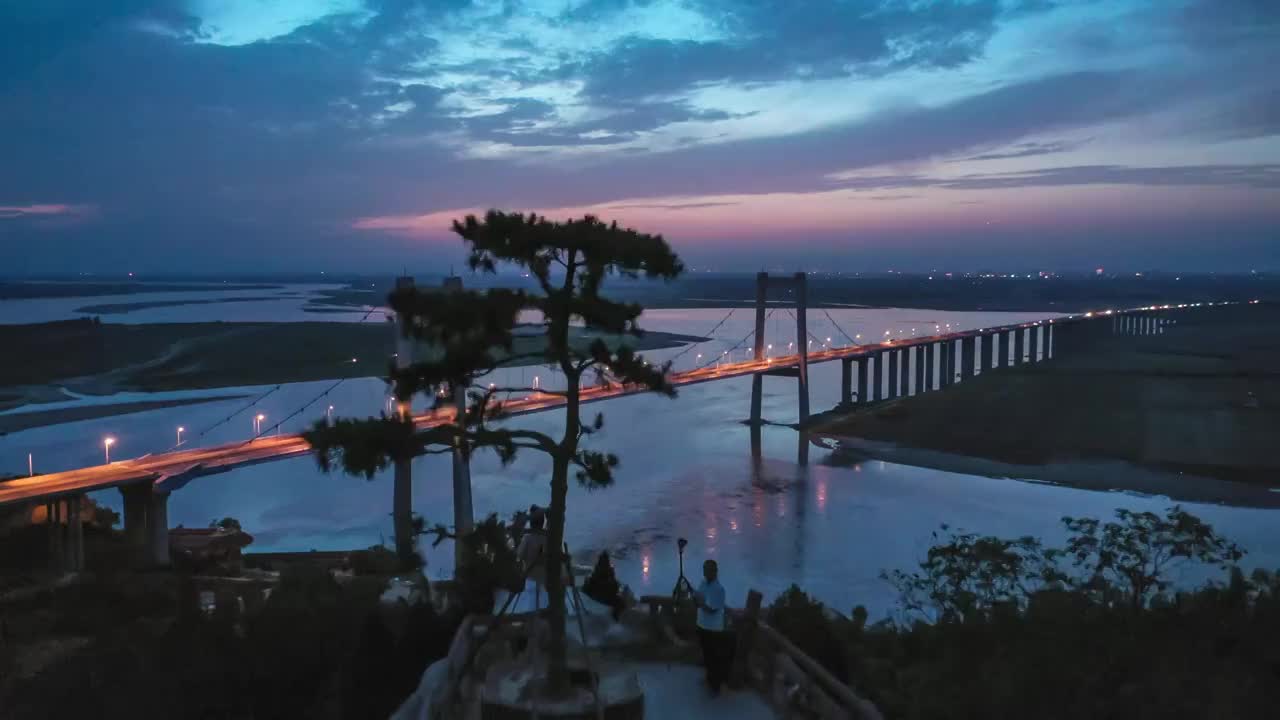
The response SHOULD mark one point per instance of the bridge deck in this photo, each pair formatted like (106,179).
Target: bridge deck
(178,466)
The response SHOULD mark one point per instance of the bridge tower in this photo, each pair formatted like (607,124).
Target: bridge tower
(799,286)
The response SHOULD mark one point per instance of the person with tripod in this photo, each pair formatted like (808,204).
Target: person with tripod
(713,629)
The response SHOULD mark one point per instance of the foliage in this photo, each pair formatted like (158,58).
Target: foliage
(967,576)
(316,648)
(1014,635)
(226,523)
(602,584)
(377,560)
(807,624)
(470,333)
(1128,561)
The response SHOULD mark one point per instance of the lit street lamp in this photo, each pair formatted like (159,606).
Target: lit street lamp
(328,414)
(180,429)
(257,423)
(107,442)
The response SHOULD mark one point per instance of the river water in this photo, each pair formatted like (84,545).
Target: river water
(780,515)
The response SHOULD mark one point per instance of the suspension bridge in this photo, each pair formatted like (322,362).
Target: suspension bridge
(870,372)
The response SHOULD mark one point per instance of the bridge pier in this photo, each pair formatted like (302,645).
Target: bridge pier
(799,284)
(863,372)
(918,367)
(968,356)
(158,530)
(53,512)
(893,374)
(846,381)
(1048,341)
(1019,346)
(928,366)
(1033,344)
(136,499)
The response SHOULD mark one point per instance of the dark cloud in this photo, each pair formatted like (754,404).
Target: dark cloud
(776,39)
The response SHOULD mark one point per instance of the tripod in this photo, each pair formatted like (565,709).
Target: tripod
(683,589)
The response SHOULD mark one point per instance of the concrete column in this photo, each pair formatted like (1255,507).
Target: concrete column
(137,498)
(762,283)
(968,356)
(1001,350)
(802,343)
(946,349)
(985,346)
(1033,343)
(846,381)
(1019,345)
(158,530)
(757,388)
(864,395)
(919,367)
(928,367)
(893,374)
(75,535)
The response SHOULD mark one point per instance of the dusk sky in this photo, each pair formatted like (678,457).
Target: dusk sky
(343,135)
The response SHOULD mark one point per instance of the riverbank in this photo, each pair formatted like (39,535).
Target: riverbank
(15,422)
(93,358)
(1202,400)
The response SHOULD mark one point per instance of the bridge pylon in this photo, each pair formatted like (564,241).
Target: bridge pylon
(798,285)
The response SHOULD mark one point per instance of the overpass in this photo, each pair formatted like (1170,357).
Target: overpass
(884,370)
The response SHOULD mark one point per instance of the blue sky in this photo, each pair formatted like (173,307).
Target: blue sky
(162,135)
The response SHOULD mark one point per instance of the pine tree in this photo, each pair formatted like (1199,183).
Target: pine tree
(471,333)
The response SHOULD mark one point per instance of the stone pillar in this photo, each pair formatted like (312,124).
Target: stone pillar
(928,366)
(863,373)
(802,343)
(893,374)
(1033,344)
(137,499)
(968,356)
(1019,345)
(158,529)
(846,381)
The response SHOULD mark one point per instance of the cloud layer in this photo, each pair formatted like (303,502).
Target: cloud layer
(311,134)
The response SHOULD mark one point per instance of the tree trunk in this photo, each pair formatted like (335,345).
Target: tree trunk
(557,652)
(557,655)
(402,515)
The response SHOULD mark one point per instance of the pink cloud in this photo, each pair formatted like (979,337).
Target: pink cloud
(45,210)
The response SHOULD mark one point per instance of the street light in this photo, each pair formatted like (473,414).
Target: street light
(180,429)
(328,414)
(257,422)
(107,442)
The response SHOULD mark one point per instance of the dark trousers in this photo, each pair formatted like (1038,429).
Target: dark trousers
(717,656)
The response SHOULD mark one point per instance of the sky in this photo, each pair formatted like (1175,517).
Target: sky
(215,136)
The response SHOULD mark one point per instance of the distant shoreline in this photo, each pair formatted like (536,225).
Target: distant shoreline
(19,421)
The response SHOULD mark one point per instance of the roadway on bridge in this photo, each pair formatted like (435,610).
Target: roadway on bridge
(181,465)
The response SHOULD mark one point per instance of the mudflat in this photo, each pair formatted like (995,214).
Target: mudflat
(1201,399)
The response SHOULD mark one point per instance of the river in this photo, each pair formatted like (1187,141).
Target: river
(687,470)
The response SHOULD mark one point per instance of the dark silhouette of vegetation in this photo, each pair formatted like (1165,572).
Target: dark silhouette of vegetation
(602,585)
(1009,628)
(471,333)
(317,648)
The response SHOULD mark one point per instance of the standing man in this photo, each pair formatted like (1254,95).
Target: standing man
(712,628)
